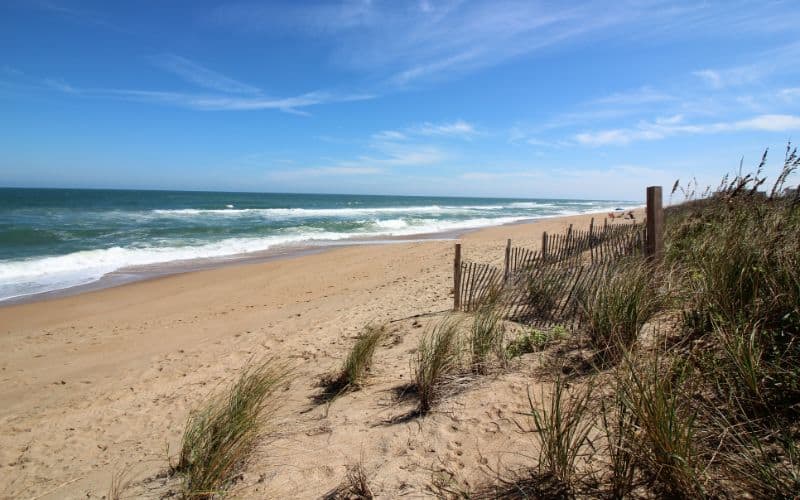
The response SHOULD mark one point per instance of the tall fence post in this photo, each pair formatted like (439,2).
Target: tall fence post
(508,260)
(544,245)
(457,278)
(591,228)
(654,247)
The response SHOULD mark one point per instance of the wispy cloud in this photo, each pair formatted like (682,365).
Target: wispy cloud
(660,129)
(456,129)
(225,103)
(641,95)
(412,42)
(718,79)
(777,60)
(201,102)
(59,84)
(199,75)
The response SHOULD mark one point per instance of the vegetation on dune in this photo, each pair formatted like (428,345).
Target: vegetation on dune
(357,363)
(220,436)
(533,340)
(561,423)
(708,406)
(487,335)
(617,305)
(438,358)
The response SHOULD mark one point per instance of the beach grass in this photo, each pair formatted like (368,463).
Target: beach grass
(561,424)
(486,338)
(438,357)
(616,307)
(221,434)
(356,365)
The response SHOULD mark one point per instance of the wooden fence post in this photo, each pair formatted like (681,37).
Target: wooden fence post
(508,259)
(591,228)
(605,224)
(655,223)
(457,278)
(544,245)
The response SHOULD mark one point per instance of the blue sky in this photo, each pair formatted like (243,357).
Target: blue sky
(495,98)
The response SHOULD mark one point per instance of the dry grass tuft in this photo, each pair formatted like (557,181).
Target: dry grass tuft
(355,485)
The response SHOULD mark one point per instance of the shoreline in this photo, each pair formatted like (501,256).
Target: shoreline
(134,274)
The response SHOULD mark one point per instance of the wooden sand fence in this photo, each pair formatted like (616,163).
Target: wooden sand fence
(607,244)
(557,268)
(542,287)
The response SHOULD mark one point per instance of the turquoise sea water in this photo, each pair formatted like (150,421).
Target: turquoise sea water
(52,239)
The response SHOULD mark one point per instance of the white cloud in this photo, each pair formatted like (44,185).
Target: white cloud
(199,75)
(458,128)
(647,131)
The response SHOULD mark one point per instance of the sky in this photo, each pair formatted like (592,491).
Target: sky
(579,99)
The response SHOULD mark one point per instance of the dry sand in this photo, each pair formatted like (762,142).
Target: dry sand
(102,382)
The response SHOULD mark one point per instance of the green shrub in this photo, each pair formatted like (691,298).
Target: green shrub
(534,340)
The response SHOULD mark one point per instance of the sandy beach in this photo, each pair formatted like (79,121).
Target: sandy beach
(101,383)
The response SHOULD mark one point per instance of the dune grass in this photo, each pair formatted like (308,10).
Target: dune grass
(619,425)
(561,424)
(356,365)
(617,306)
(487,335)
(437,358)
(651,390)
(220,435)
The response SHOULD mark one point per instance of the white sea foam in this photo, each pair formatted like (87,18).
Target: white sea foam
(531,204)
(324,212)
(43,274)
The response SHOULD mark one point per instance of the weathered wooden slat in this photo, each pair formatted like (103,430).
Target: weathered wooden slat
(475,273)
(480,287)
(467,277)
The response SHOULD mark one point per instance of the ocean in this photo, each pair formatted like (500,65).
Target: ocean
(53,239)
